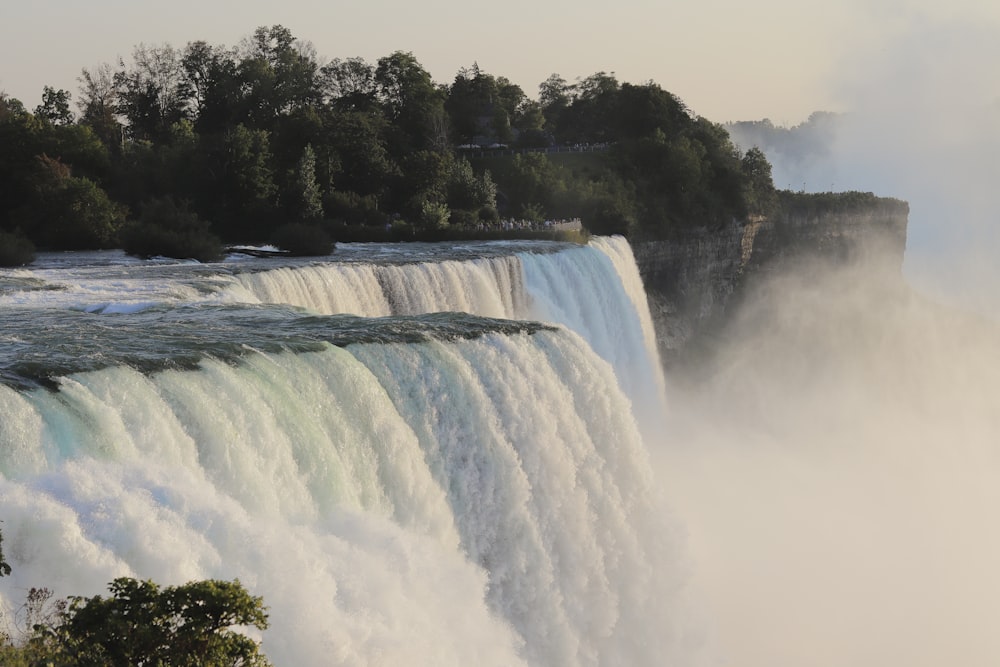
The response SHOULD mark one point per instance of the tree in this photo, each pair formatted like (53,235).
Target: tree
(143,624)
(358,151)
(98,103)
(4,566)
(278,74)
(469,192)
(349,85)
(306,199)
(67,212)
(55,107)
(213,87)
(554,98)
(411,102)
(152,93)
(761,198)
(239,190)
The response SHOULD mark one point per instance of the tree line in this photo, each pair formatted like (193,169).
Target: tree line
(189,146)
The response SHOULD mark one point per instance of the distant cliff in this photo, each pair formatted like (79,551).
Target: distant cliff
(693,277)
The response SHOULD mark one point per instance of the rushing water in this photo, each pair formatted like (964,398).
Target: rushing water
(416,454)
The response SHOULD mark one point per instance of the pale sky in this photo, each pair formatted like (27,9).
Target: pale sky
(727,59)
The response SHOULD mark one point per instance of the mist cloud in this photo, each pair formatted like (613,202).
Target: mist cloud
(837,462)
(836,465)
(923,124)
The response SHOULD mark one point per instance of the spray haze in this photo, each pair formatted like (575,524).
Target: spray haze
(836,461)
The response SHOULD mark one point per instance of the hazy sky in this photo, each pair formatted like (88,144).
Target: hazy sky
(727,59)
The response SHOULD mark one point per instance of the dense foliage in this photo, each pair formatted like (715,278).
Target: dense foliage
(141,623)
(262,135)
(814,204)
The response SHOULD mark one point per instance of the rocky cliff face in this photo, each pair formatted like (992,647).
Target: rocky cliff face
(693,279)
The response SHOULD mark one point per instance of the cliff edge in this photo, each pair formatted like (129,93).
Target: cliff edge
(696,276)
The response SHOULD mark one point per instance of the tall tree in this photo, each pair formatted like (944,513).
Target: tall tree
(349,84)
(761,198)
(305,197)
(213,87)
(4,566)
(412,103)
(278,73)
(152,91)
(554,98)
(240,187)
(55,106)
(98,103)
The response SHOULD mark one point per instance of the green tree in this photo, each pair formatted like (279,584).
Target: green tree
(467,191)
(98,103)
(66,212)
(278,74)
(412,103)
(306,200)
(213,87)
(761,198)
(239,189)
(425,176)
(55,107)
(152,94)
(143,624)
(349,85)
(4,566)
(554,98)
(358,159)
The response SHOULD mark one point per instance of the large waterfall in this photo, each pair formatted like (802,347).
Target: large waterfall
(429,459)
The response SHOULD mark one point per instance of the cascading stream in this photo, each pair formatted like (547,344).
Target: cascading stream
(444,490)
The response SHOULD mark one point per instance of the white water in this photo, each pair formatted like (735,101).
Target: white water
(483,501)
(595,291)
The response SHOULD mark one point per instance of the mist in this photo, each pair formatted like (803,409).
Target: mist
(837,470)
(836,460)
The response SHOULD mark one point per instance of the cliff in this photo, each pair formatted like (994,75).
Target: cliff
(693,278)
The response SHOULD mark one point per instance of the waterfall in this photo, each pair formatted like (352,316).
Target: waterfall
(480,499)
(593,290)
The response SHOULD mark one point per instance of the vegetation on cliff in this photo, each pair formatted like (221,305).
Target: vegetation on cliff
(812,205)
(255,137)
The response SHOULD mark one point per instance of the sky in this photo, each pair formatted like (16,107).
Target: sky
(728,60)
(920,77)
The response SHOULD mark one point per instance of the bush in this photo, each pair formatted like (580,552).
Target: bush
(143,624)
(464,219)
(145,241)
(167,229)
(68,213)
(302,240)
(15,250)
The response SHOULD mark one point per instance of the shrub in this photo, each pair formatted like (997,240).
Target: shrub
(15,250)
(168,229)
(302,240)
(143,624)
